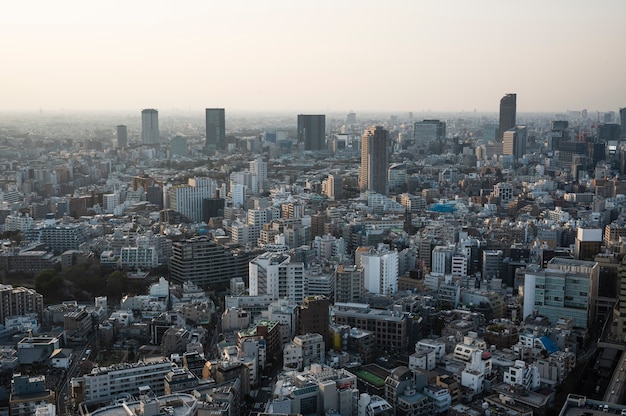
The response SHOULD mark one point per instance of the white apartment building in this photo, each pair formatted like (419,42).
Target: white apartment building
(273,274)
(106,383)
(380,270)
(143,256)
(522,374)
(441,261)
(187,199)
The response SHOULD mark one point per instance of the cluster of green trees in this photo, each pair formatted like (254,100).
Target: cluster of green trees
(83,282)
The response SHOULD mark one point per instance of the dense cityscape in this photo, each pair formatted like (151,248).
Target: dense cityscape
(417,263)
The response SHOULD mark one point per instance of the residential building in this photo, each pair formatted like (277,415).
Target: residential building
(204,262)
(348,284)
(103,384)
(27,393)
(374,160)
(380,270)
(274,274)
(188,199)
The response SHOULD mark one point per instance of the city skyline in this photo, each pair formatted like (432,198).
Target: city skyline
(415,56)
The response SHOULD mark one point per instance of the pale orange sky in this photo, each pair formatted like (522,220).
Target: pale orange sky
(336,55)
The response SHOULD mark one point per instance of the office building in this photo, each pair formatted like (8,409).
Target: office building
(312,131)
(508,108)
(212,207)
(122,136)
(514,142)
(215,130)
(374,160)
(567,288)
(588,243)
(150,127)
(178,146)
(429,130)
(391,328)
(622,119)
(313,317)
(204,262)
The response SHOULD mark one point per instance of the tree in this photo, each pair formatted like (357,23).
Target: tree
(116,285)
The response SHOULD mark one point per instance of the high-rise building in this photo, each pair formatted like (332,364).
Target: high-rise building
(150,126)
(178,146)
(567,288)
(122,136)
(508,108)
(332,187)
(622,119)
(374,160)
(274,274)
(428,130)
(380,271)
(215,129)
(348,284)
(258,167)
(514,142)
(312,131)
(187,199)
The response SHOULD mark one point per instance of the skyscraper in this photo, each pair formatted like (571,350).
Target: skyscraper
(150,126)
(514,142)
(508,108)
(374,160)
(215,130)
(622,120)
(312,131)
(122,136)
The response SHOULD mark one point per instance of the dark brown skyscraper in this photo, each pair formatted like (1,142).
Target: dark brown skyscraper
(374,160)
(508,107)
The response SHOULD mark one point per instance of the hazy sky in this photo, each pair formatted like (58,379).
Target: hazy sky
(318,55)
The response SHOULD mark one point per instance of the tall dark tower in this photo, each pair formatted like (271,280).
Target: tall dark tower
(312,131)
(150,126)
(122,136)
(374,160)
(622,120)
(215,130)
(508,106)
